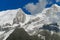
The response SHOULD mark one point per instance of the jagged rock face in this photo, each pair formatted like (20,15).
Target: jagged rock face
(20,17)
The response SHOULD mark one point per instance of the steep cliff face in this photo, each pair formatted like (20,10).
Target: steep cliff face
(20,17)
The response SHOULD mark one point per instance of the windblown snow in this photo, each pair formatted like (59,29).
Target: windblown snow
(10,19)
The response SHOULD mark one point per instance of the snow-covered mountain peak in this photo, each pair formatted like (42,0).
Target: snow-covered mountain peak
(9,15)
(48,16)
(55,5)
(10,19)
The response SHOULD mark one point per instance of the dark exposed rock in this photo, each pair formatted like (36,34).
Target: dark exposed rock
(7,24)
(51,27)
(21,34)
(55,37)
(15,21)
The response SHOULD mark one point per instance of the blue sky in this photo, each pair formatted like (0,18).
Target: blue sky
(14,4)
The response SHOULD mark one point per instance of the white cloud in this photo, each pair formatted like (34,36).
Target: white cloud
(36,8)
(31,7)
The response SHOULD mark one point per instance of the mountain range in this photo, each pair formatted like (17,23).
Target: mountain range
(12,19)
